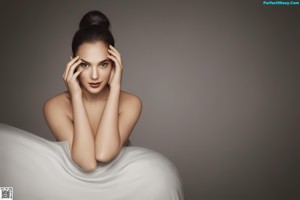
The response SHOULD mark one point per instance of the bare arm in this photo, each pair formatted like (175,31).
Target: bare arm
(108,136)
(78,133)
(83,147)
(114,129)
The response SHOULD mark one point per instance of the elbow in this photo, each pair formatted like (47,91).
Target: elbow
(89,168)
(104,157)
(86,166)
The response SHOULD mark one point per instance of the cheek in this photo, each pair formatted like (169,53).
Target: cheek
(107,72)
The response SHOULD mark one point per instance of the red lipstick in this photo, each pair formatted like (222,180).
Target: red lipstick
(95,85)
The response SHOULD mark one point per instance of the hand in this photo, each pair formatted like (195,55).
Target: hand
(70,78)
(116,72)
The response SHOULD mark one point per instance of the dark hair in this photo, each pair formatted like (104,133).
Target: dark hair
(94,26)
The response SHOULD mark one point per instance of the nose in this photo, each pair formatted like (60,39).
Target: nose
(95,73)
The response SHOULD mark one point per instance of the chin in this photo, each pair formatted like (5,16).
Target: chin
(94,91)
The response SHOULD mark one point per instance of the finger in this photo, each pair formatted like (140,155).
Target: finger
(116,60)
(114,49)
(72,68)
(115,53)
(69,65)
(117,63)
(76,74)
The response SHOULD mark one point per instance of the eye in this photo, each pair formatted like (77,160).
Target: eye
(84,65)
(104,65)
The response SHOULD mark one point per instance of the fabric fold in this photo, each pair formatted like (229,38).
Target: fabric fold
(37,168)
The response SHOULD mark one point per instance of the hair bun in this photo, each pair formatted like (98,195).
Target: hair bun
(94,17)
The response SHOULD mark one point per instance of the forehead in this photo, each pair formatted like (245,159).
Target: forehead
(93,52)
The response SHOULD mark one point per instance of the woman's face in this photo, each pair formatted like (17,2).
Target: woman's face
(95,64)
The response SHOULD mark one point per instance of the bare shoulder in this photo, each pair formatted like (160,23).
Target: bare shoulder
(60,102)
(56,112)
(129,100)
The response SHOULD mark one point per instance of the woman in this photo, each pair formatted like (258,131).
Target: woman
(94,115)
(92,122)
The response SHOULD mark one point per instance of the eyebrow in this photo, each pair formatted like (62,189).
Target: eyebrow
(98,63)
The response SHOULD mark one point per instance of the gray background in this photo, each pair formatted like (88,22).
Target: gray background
(219,82)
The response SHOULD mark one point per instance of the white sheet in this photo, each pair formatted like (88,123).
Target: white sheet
(37,169)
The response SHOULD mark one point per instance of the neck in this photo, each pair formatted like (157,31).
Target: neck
(94,98)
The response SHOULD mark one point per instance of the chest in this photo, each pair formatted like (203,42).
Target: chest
(94,114)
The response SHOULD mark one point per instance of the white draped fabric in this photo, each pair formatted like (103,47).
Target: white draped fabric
(39,169)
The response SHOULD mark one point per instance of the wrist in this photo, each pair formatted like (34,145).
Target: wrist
(115,87)
(76,96)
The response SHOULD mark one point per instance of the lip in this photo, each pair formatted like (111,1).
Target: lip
(94,85)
